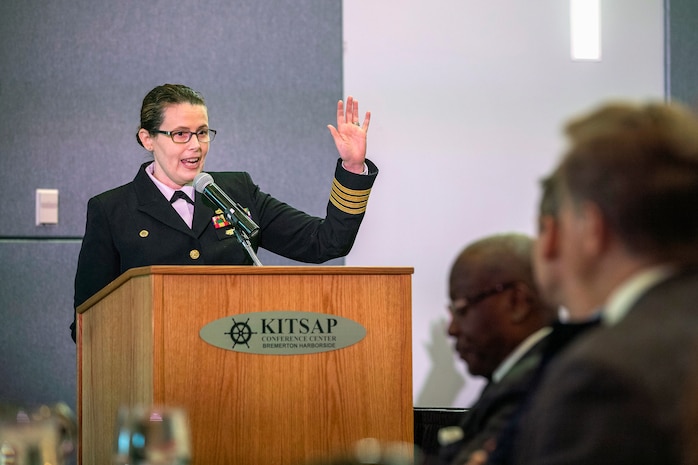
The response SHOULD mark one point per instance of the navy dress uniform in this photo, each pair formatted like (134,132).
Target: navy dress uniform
(135,225)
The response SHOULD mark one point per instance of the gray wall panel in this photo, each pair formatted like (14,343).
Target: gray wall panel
(38,356)
(682,72)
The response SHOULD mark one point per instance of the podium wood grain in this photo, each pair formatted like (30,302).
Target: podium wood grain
(138,342)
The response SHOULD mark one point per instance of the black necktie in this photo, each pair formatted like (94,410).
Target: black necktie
(181,195)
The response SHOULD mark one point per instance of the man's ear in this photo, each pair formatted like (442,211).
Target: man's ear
(548,237)
(521,303)
(596,230)
(146,139)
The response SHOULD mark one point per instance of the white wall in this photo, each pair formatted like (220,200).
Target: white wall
(467,100)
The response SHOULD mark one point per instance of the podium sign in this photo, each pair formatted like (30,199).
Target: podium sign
(140,342)
(287,333)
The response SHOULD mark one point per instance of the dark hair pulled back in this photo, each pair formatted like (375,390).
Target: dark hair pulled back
(155,102)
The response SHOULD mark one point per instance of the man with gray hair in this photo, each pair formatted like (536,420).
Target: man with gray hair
(628,235)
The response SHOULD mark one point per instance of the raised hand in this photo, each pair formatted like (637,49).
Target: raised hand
(350,135)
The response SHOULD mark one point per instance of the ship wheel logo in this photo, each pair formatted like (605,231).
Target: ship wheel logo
(240,333)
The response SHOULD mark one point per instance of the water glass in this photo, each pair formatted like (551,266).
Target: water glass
(152,435)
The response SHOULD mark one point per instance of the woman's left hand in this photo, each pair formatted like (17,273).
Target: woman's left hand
(350,135)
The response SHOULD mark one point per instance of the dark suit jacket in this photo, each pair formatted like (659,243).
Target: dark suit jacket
(134,225)
(492,411)
(561,336)
(615,396)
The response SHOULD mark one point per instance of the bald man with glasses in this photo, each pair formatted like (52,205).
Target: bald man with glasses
(499,323)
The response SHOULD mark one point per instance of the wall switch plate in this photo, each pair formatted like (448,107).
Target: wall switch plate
(46,206)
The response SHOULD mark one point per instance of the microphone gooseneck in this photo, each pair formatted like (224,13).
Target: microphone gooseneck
(204,184)
(244,227)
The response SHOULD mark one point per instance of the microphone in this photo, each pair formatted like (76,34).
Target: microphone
(203,184)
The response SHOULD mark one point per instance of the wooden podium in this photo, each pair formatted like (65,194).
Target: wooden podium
(138,342)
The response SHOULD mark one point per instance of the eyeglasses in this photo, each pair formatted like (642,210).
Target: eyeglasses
(460,306)
(182,137)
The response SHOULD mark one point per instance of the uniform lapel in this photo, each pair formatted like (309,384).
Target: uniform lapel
(202,215)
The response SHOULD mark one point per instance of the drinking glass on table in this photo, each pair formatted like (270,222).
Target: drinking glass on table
(36,436)
(152,435)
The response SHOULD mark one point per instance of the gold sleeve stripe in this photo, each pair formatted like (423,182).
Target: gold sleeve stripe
(349,201)
(350,209)
(350,192)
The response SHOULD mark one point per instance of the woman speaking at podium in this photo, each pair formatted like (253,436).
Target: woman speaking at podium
(159,218)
